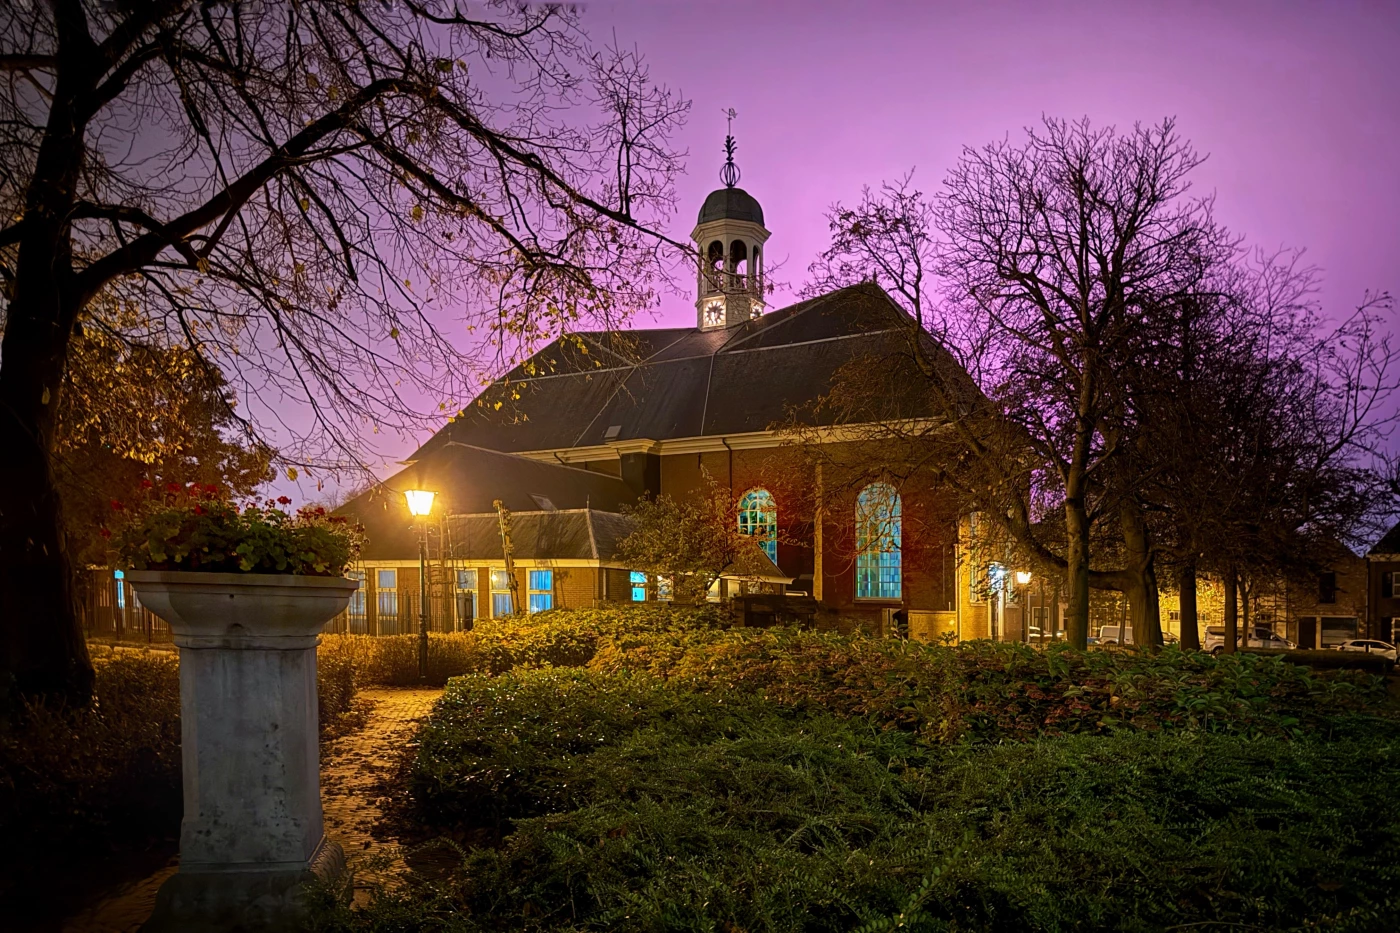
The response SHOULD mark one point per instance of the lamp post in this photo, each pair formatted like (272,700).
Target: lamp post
(420,503)
(1023,579)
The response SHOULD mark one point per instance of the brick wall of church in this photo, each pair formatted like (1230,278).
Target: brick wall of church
(928,553)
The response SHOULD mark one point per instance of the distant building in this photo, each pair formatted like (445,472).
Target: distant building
(1383,586)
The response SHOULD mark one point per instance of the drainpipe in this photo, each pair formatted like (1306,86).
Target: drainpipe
(725,442)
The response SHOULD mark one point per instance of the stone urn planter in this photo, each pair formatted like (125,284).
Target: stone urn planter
(252,836)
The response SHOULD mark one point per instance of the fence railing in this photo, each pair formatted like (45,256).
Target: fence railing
(110,610)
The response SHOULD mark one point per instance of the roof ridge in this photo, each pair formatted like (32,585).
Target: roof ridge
(553,464)
(514,513)
(809,302)
(804,343)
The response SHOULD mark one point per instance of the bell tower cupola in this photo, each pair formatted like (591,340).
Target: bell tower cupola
(729,238)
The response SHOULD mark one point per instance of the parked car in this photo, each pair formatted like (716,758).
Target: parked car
(1259,638)
(1370,646)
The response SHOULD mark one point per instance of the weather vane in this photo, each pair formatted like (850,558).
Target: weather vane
(729,174)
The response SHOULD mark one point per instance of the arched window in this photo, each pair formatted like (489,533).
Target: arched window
(758,516)
(879,535)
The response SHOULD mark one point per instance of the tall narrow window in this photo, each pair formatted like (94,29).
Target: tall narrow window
(758,516)
(386,582)
(1327,588)
(500,594)
(541,590)
(466,598)
(356,609)
(665,586)
(639,586)
(879,535)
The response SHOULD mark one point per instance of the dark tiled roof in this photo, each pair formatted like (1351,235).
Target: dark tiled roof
(1390,544)
(731,204)
(468,480)
(673,383)
(578,534)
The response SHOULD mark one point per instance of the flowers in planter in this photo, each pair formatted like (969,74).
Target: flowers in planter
(195,527)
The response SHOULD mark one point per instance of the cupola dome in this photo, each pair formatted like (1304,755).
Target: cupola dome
(731,204)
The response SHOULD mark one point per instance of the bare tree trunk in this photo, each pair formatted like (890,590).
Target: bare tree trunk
(1190,628)
(42,651)
(1140,577)
(1232,610)
(1077,574)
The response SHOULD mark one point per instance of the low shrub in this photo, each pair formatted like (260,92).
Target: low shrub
(104,773)
(985,691)
(624,801)
(109,774)
(558,638)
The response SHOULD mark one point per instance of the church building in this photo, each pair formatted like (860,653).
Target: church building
(596,420)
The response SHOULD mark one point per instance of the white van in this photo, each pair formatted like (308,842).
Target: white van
(1116,635)
(1259,638)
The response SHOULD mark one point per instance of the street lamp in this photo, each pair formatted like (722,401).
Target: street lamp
(420,503)
(1023,578)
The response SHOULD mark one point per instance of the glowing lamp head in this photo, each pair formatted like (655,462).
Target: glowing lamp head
(420,501)
(1023,577)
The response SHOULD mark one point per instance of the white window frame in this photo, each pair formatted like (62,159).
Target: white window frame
(532,590)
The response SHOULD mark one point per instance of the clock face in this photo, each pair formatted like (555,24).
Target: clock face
(714,312)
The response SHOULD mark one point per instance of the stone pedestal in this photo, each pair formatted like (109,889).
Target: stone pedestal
(252,836)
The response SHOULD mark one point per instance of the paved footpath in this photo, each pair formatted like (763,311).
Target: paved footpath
(353,768)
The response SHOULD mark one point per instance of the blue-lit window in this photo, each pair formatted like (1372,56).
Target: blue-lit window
(386,582)
(758,516)
(500,594)
(879,535)
(639,586)
(995,581)
(665,587)
(541,590)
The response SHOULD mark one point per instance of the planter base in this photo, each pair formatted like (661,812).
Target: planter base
(246,901)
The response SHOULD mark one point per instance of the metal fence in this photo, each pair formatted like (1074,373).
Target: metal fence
(110,610)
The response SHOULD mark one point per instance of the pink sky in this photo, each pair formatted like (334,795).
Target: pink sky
(1296,104)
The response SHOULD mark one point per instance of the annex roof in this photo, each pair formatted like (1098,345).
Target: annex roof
(468,480)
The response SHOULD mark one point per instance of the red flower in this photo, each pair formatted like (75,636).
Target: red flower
(172,487)
(105,533)
(116,506)
(199,510)
(146,484)
(284,500)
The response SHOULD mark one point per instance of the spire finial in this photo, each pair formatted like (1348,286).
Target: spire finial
(729,174)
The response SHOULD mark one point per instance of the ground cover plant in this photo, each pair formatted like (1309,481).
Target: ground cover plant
(778,780)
